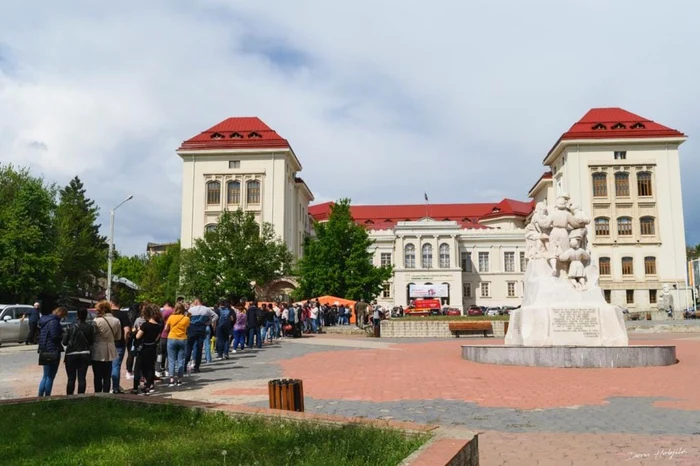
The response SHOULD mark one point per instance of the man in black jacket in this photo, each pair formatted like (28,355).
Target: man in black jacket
(252,324)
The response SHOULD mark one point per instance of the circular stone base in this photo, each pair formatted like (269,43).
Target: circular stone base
(572,356)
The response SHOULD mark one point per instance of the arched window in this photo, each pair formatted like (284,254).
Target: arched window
(646,226)
(444,255)
(233,192)
(624,226)
(600,185)
(602,226)
(213,193)
(622,184)
(409,256)
(644,184)
(650,265)
(604,266)
(253,192)
(627,266)
(427,257)
(209,228)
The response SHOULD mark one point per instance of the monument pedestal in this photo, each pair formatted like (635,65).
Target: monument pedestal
(567,325)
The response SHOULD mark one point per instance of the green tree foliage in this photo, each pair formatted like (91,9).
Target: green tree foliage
(225,262)
(27,235)
(161,278)
(693,252)
(338,261)
(80,247)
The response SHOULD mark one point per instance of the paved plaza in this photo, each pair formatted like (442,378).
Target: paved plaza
(525,416)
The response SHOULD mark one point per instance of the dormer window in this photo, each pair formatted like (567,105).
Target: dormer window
(217,136)
(495,210)
(387,220)
(637,126)
(599,126)
(236,136)
(254,135)
(369,222)
(619,126)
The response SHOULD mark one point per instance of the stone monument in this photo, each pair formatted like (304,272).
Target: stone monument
(562,303)
(564,320)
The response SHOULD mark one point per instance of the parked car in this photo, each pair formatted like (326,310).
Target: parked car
(475,311)
(13,328)
(452,311)
(493,311)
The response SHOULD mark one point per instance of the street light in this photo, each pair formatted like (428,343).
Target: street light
(111,247)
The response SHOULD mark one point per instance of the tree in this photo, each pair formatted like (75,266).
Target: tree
(27,236)
(338,261)
(227,260)
(80,247)
(692,252)
(161,278)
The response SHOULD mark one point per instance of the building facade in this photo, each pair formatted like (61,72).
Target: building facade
(241,163)
(463,254)
(624,170)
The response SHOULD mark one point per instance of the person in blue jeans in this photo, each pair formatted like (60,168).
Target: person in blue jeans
(201,317)
(125,326)
(177,326)
(223,330)
(253,324)
(50,335)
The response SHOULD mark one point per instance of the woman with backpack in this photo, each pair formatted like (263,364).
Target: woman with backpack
(78,340)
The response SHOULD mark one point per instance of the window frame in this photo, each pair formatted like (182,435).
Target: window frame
(234,164)
(426,256)
(523,262)
(620,155)
(250,192)
(508,289)
(409,260)
(485,286)
(467,290)
(466,261)
(653,298)
(229,192)
(444,256)
(601,221)
(627,260)
(629,296)
(507,262)
(382,257)
(604,270)
(647,226)
(625,226)
(213,193)
(485,255)
(650,265)
(622,184)
(645,184)
(600,184)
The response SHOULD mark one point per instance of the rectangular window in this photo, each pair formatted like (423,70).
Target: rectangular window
(606,294)
(622,184)
(600,185)
(652,296)
(523,261)
(467,290)
(602,226)
(620,155)
(644,184)
(624,226)
(234,164)
(509,261)
(650,265)
(511,289)
(483,262)
(385,259)
(466,258)
(627,266)
(604,266)
(629,294)
(386,290)
(485,289)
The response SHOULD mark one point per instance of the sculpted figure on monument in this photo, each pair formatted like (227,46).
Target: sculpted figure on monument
(536,237)
(563,222)
(666,301)
(576,257)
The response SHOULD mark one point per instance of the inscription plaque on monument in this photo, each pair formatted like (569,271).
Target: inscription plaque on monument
(575,326)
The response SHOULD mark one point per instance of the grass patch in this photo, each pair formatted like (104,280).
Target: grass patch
(99,431)
(453,318)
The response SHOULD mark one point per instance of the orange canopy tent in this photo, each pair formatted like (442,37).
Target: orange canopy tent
(330,300)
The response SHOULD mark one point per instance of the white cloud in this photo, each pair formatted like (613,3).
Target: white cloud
(381,100)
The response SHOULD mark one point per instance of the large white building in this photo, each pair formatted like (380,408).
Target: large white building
(623,169)
(241,163)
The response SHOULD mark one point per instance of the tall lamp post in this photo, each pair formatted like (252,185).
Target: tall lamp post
(111,247)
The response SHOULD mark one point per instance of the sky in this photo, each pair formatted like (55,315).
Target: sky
(381,100)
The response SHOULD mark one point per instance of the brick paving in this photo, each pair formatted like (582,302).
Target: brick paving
(526,416)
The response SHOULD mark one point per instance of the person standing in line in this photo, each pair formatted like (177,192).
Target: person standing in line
(269,331)
(134,314)
(177,326)
(119,343)
(78,340)
(33,321)
(50,348)
(223,330)
(201,317)
(103,351)
(146,340)
(313,319)
(277,309)
(252,325)
(162,370)
(239,328)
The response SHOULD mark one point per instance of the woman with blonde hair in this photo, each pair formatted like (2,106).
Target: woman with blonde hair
(103,351)
(50,348)
(146,341)
(177,325)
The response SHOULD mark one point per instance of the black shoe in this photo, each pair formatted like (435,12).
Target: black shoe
(196,370)
(118,391)
(134,392)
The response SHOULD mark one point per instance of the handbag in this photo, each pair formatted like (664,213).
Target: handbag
(46,358)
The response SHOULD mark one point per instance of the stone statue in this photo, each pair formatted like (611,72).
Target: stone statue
(580,232)
(576,257)
(563,222)
(536,236)
(666,302)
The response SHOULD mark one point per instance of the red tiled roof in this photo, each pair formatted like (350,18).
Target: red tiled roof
(615,123)
(386,216)
(237,133)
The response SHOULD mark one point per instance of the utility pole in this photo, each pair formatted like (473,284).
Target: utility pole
(111,247)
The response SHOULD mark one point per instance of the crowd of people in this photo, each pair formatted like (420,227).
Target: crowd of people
(165,343)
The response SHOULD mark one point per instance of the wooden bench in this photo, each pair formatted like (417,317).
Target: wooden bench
(475,326)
